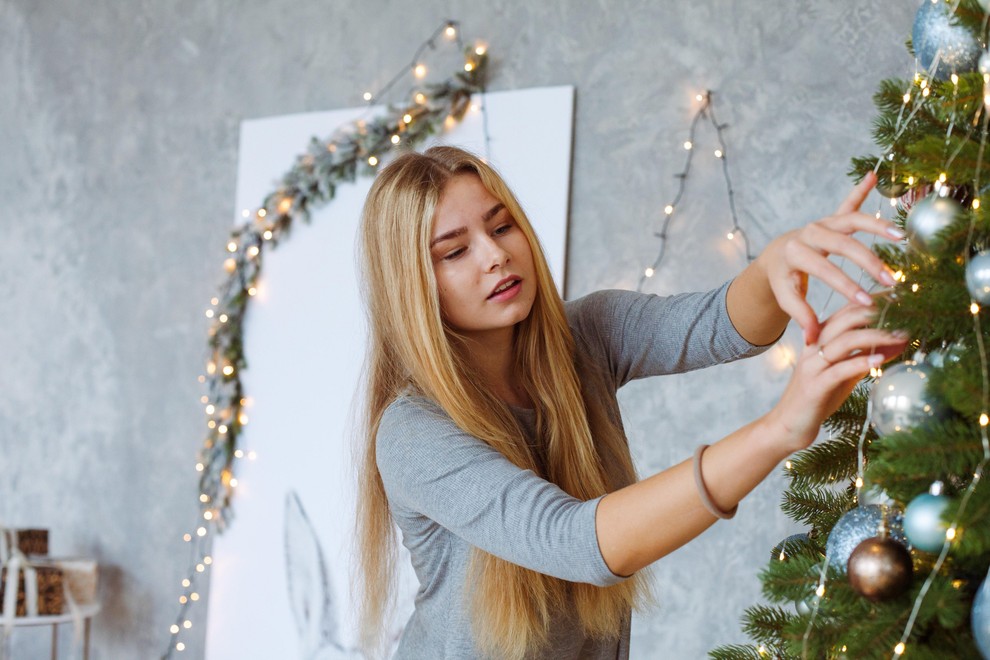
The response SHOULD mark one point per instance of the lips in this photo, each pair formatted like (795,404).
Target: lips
(506,285)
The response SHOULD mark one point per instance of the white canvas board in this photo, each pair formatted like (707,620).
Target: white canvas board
(305,342)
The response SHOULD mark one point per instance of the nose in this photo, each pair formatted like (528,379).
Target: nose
(495,255)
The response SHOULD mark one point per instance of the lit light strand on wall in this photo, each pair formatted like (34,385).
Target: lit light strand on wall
(355,149)
(706,111)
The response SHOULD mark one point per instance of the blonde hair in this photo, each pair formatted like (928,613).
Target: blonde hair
(411,346)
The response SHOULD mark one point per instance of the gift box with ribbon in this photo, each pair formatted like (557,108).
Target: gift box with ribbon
(28,587)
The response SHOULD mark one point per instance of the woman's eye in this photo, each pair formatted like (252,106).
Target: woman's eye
(503,229)
(453,254)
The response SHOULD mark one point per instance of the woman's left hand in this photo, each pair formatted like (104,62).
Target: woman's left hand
(790,258)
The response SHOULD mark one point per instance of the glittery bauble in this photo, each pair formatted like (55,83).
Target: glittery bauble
(900,400)
(978,277)
(928,217)
(879,569)
(923,524)
(857,525)
(979,618)
(935,34)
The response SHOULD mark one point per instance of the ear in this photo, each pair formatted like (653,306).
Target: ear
(309,585)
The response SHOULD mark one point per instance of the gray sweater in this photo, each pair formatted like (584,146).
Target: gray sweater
(449,491)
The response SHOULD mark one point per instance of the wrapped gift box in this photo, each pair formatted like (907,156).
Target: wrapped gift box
(51,596)
(28,541)
(79,575)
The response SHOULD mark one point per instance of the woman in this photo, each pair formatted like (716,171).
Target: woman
(494,440)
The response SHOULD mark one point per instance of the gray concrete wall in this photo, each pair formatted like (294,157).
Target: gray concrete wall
(119,125)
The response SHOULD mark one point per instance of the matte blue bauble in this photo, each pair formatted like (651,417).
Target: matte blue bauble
(857,525)
(978,277)
(980,619)
(923,524)
(934,34)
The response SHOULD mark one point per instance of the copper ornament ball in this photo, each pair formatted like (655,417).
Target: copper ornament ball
(880,569)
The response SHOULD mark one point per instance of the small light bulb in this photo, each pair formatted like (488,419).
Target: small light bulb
(925,92)
(253,251)
(367,96)
(199,467)
(899,649)
(204,498)
(419,70)
(222,429)
(252,291)
(187,624)
(420,98)
(730,236)
(223,318)
(230,265)
(688,145)
(910,181)
(232,247)
(243,420)
(915,287)
(200,568)
(407,118)
(372,161)
(974,309)
(859,482)
(820,591)
(469,66)
(976,203)
(194,596)
(187,537)
(668,209)
(950,533)
(480,49)
(893,202)
(183,600)
(942,177)
(228,370)
(207,560)
(208,515)
(984,419)
(699,97)
(267,235)
(451,32)
(239,453)
(245,213)
(899,276)
(262,213)
(174,629)
(233,482)
(201,531)
(212,424)
(649,272)
(907,97)
(788,465)
(718,153)
(209,313)
(954,78)
(180,647)
(395,139)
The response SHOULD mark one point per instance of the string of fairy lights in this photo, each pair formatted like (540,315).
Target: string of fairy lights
(705,111)
(912,105)
(355,149)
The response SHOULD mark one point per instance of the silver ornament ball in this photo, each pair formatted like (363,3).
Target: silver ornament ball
(857,525)
(935,35)
(978,277)
(900,400)
(928,217)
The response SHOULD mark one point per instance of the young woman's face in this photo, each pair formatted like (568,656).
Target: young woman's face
(482,261)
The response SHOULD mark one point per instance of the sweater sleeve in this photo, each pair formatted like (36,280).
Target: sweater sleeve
(639,335)
(431,467)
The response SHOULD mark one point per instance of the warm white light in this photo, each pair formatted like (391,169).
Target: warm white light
(699,97)
(199,467)
(204,498)
(899,649)
(974,309)
(668,209)
(451,32)
(925,92)
(480,49)
(200,568)
(252,291)
(230,265)
(954,78)
(984,420)
(253,251)
(950,533)
(910,181)
(233,482)
(207,560)
(267,235)
(208,515)
(820,591)
(211,424)
(419,70)
(245,213)
(187,537)
(788,465)
(262,213)
(420,98)
(407,118)
(372,161)
(395,139)
(907,97)
(718,153)
(187,624)
(239,453)
(174,629)
(243,419)
(899,276)
(232,247)
(915,287)
(222,430)
(228,370)
(180,647)
(688,145)
(976,203)
(859,482)
(201,531)
(223,318)
(649,272)
(469,66)
(183,600)
(194,596)
(730,236)
(367,96)
(209,313)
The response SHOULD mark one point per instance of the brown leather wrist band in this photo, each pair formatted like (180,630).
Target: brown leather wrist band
(706,498)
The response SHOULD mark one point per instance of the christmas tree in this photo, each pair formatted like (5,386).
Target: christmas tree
(894,562)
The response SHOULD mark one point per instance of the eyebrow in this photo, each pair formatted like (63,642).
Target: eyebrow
(460,231)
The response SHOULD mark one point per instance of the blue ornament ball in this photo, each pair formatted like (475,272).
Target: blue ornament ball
(980,619)
(857,525)
(934,33)
(923,524)
(978,277)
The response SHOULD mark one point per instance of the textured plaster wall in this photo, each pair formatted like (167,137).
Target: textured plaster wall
(119,125)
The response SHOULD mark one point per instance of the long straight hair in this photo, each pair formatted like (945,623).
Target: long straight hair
(410,346)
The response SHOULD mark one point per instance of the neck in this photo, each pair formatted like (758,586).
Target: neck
(494,356)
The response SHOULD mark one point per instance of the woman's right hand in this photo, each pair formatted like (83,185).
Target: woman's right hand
(827,371)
